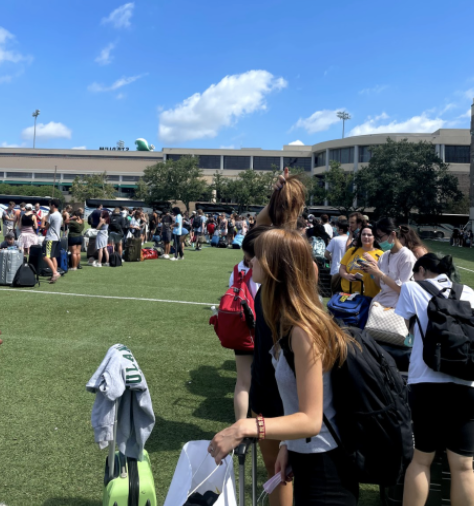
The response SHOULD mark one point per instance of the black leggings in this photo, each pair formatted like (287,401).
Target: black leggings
(178,246)
(323,479)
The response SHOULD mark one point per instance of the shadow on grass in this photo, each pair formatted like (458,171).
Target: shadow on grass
(71,501)
(206,381)
(171,435)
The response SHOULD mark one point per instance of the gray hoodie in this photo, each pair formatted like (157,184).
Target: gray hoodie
(119,376)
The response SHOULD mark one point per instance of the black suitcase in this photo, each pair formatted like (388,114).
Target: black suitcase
(241,452)
(35,257)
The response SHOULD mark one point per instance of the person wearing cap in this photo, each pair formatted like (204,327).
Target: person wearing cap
(28,225)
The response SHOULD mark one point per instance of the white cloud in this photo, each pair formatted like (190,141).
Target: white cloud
(375,90)
(79,147)
(44,132)
(123,81)
(228,147)
(8,55)
(120,96)
(467,114)
(296,143)
(469,94)
(416,124)
(6,79)
(318,121)
(104,57)
(6,145)
(120,17)
(221,105)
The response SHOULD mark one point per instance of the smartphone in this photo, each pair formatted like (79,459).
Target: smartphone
(358,275)
(361,262)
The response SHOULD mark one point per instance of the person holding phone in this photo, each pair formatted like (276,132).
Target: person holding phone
(353,264)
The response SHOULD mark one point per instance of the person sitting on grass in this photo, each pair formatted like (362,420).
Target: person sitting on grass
(284,266)
(9,241)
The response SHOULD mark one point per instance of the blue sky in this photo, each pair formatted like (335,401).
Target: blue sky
(252,73)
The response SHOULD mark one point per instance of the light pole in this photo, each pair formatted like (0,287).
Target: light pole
(343,115)
(471,172)
(35,115)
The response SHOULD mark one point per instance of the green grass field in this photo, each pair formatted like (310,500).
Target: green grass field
(53,343)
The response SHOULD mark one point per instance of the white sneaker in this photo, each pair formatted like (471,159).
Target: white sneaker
(107,265)
(166,256)
(173,259)
(182,258)
(96,264)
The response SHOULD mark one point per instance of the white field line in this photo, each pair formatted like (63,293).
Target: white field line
(108,297)
(464,268)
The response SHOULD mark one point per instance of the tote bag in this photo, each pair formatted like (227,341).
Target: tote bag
(196,471)
(386,326)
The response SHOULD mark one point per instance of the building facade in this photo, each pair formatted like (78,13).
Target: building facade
(20,166)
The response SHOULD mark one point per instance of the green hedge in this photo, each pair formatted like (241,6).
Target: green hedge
(31,191)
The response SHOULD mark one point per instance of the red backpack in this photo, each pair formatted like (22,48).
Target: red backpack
(235,321)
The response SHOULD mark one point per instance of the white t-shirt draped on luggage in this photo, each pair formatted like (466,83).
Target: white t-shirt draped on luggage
(253,287)
(414,300)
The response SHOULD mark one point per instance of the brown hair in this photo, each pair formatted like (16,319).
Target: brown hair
(410,238)
(78,212)
(290,296)
(287,203)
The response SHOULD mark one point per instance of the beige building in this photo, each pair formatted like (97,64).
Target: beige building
(19,166)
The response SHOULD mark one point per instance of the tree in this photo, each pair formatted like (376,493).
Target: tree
(93,186)
(340,192)
(174,180)
(31,191)
(249,188)
(402,177)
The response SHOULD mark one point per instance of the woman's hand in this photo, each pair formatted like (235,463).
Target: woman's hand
(372,268)
(281,465)
(281,179)
(226,440)
(351,277)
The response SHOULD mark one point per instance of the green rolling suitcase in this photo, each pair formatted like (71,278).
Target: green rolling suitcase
(127,481)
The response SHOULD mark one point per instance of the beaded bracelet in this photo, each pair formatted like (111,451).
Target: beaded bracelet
(261,427)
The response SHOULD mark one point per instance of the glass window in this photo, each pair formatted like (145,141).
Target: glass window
(266,162)
(22,175)
(237,162)
(364,153)
(457,154)
(209,161)
(130,178)
(173,157)
(343,155)
(113,178)
(47,175)
(320,159)
(72,176)
(300,162)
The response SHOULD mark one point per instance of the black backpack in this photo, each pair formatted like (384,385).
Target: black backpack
(197,222)
(115,260)
(373,417)
(116,222)
(448,344)
(26,276)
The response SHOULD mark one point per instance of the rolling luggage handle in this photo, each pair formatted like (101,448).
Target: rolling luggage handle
(361,286)
(241,451)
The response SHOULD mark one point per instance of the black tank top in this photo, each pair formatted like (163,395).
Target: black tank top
(27,221)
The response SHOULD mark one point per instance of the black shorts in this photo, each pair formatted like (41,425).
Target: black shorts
(51,249)
(443,417)
(166,236)
(74,241)
(243,352)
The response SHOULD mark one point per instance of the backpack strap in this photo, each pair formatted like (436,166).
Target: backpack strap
(236,274)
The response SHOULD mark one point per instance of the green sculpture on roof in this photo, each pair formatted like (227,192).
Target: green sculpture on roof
(142,145)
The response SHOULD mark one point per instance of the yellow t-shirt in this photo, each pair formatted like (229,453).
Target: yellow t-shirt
(350,261)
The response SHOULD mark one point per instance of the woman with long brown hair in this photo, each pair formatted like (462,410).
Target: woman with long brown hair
(284,266)
(409,238)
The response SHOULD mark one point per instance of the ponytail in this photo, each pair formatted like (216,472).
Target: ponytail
(437,265)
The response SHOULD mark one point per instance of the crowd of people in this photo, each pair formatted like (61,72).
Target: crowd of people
(383,261)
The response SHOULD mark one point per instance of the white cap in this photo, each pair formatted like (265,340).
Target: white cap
(28,206)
